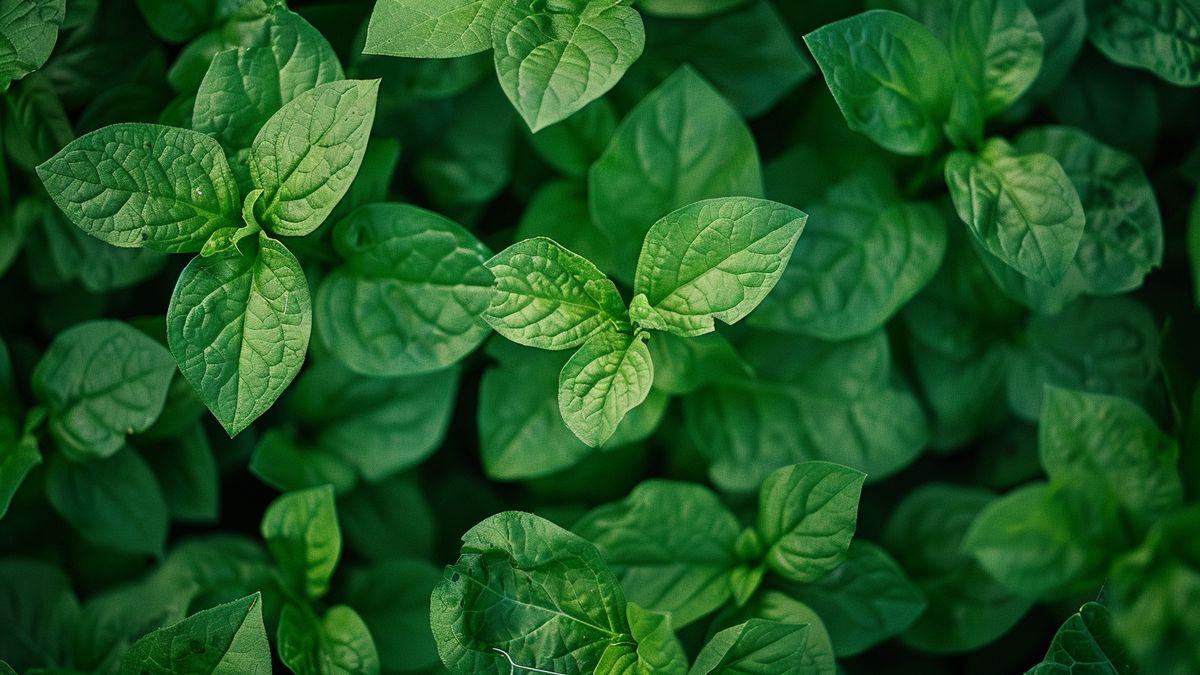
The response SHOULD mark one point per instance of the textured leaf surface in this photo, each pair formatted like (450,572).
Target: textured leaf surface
(549,297)
(715,259)
(144,185)
(1023,209)
(436,29)
(238,325)
(1162,36)
(225,638)
(411,295)
(102,380)
(891,78)
(338,642)
(306,156)
(301,531)
(680,144)
(864,254)
(998,47)
(672,546)
(553,58)
(529,587)
(807,515)
(757,647)
(29,29)
(610,375)
(1085,644)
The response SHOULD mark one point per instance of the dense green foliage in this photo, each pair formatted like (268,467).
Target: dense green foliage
(627,337)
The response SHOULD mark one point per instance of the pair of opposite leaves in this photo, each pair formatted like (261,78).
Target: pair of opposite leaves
(239,320)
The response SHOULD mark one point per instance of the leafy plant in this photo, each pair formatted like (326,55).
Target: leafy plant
(738,337)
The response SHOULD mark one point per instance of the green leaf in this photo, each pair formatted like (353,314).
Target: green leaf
(75,255)
(378,425)
(656,652)
(35,124)
(225,638)
(806,515)
(864,254)
(966,608)
(680,144)
(610,375)
(1022,209)
(435,29)
(244,87)
(114,502)
(1047,540)
(1085,644)
(1155,35)
(683,365)
(811,400)
(306,156)
(285,462)
(572,145)
(1151,613)
(238,325)
(17,459)
(1105,346)
(553,58)
(998,48)
(338,643)
(101,381)
(178,22)
(816,658)
(301,531)
(393,599)
(671,544)
(892,79)
(687,8)
(863,602)
(388,520)
(1112,440)
(188,473)
(1122,234)
(410,296)
(532,589)
(28,31)
(135,185)
(550,298)
(715,259)
(757,647)
(38,613)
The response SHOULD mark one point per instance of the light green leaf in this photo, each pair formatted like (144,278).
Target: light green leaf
(966,608)
(806,515)
(114,502)
(553,58)
(244,87)
(337,644)
(863,602)
(1022,209)
(17,459)
(306,156)
(410,296)
(757,647)
(148,185)
(301,531)
(38,613)
(28,31)
(1113,440)
(671,544)
(550,298)
(656,650)
(715,259)
(1047,540)
(238,325)
(102,380)
(432,29)
(864,254)
(532,589)
(892,79)
(816,658)
(1122,235)
(224,639)
(393,599)
(610,375)
(1155,35)
(680,144)
(1085,644)
(998,48)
